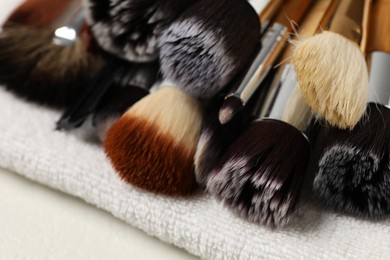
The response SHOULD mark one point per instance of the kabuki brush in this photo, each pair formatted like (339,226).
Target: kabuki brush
(353,174)
(48,66)
(261,175)
(37,13)
(130,29)
(331,69)
(152,146)
(272,46)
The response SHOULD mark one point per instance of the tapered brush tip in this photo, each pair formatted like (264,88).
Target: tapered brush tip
(333,78)
(229,109)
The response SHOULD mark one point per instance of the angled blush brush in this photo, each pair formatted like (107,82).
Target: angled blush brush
(47,66)
(272,46)
(353,173)
(130,29)
(224,47)
(331,69)
(37,13)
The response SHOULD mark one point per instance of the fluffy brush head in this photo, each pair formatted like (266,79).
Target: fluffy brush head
(130,28)
(203,49)
(333,78)
(153,145)
(35,68)
(261,175)
(354,170)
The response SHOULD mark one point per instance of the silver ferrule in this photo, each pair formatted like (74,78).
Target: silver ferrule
(379,90)
(67,35)
(271,46)
(278,94)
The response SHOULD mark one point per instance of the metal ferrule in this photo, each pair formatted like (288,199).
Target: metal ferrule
(271,45)
(67,35)
(379,90)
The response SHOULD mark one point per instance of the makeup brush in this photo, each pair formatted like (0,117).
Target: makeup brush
(37,13)
(187,48)
(331,69)
(353,172)
(271,49)
(50,67)
(153,145)
(130,29)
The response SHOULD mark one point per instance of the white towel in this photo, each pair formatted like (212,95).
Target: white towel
(30,146)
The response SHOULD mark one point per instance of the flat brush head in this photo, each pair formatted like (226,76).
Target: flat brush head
(261,175)
(231,106)
(130,28)
(153,145)
(204,48)
(333,78)
(35,68)
(353,172)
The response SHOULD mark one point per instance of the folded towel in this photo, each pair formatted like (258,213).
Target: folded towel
(30,146)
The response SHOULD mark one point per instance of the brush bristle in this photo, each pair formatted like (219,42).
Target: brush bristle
(34,68)
(333,78)
(130,28)
(230,108)
(353,172)
(261,175)
(153,145)
(202,50)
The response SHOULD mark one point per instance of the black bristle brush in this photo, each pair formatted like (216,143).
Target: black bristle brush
(353,175)
(130,29)
(48,66)
(152,146)
(260,177)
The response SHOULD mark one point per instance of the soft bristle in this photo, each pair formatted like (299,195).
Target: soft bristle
(35,68)
(202,50)
(229,109)
(130,28)
(153,145)
(353,172)
(261,175)
(333,78)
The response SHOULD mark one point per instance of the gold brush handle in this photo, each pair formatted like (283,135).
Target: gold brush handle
(379,27)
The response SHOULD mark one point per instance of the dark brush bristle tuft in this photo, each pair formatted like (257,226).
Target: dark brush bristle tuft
(203,49)
(261,175)
(130,28)
(354,170)
(230,107)
(38,70)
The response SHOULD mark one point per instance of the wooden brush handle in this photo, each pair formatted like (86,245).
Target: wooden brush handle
(379,25)
(37,13)
(292,11)
(270,10)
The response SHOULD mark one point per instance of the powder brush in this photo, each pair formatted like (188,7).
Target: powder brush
(331,69)
(130,29)
(353,170)
(272,47)
(187,48)
(48,66)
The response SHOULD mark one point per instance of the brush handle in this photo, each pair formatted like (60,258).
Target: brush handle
(272,45)
(379,24)
(379,91)
(347,20)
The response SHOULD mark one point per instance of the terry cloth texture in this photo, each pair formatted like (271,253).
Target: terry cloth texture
(30,147)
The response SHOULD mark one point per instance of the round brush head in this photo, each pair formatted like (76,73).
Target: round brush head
(333,78)
(35,68)
(152,145)
(261,175)
(130,28)
(354,170)
(204,48)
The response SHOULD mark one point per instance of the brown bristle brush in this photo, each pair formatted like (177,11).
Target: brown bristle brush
(37,13)
(153,145)
(48,66)
(331,69)
(260,177)
(272,46)
(130,29)
(353,174)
